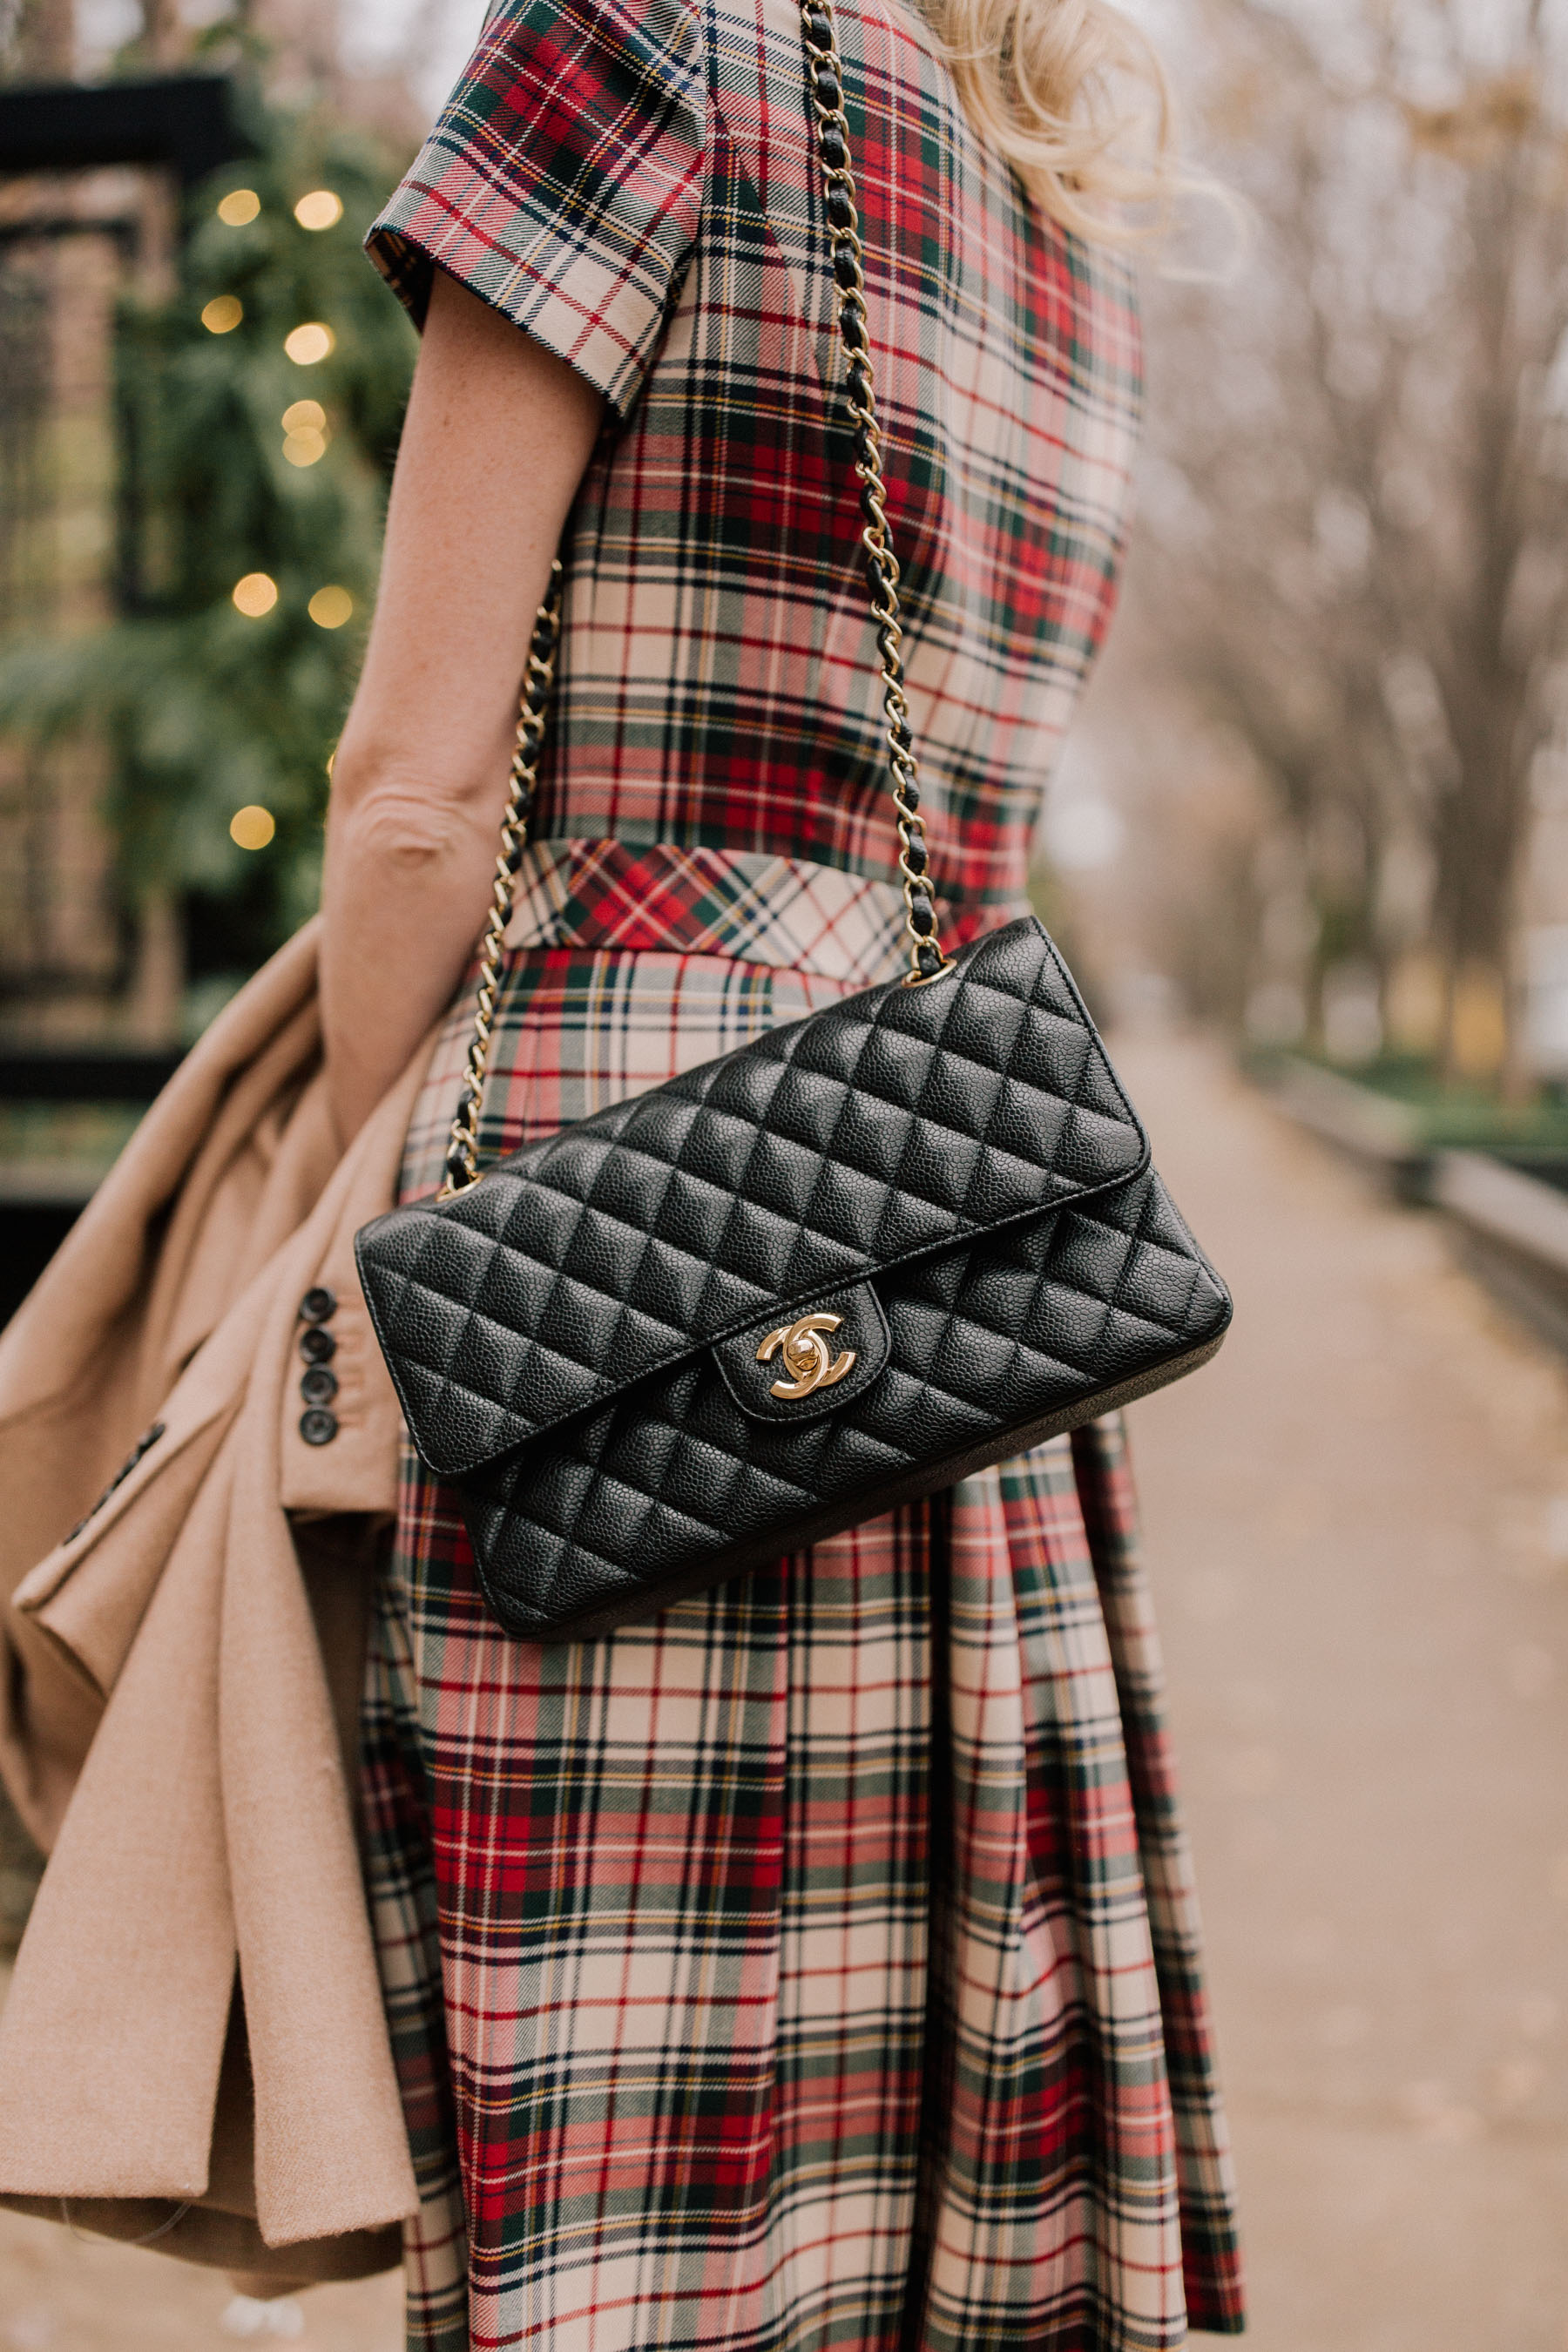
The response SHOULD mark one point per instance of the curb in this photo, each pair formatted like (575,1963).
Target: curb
(1383,1138)
(1514,1232)
(1512,1229)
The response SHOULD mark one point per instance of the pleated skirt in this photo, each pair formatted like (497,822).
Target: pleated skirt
(814,1968)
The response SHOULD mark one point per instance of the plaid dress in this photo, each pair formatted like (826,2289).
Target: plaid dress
(814,1968)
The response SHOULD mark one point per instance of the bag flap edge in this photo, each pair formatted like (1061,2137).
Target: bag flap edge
(456,1462)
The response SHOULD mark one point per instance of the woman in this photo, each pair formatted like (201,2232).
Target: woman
(815,1964)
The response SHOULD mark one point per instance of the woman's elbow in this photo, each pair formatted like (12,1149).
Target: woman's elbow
(406,826)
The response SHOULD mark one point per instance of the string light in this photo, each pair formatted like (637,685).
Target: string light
(305,430)
(330,607)
(254,594)
(252,828)
(320,209)
(309,342)
(224,312)
(239,207)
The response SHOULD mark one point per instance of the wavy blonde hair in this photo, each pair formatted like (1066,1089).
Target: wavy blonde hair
(1072,94)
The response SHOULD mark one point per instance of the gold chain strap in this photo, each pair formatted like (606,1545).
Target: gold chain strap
(927,960)
(538,678)
(826,82)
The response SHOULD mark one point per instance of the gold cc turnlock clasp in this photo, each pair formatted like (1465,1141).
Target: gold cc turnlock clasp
(808,1360)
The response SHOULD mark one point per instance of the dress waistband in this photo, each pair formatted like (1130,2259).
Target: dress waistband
(744,904)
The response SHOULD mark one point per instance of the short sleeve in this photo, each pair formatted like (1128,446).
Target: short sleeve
(562,182)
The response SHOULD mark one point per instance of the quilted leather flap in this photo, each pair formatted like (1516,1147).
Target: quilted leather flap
(895,1124)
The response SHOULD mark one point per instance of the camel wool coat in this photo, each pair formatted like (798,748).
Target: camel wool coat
(193,2051)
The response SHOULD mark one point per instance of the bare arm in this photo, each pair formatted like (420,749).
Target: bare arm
(498,436)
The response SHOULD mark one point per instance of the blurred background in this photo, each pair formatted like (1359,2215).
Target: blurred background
(1308,851)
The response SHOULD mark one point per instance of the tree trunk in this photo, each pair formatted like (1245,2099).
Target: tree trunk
(162,34)
(45,40)
(1480,841)
(158,975)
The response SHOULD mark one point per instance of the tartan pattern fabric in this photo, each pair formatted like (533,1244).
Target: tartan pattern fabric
(813,1969)
(756,909)
(634,183)
(397,1826)
(817,1963)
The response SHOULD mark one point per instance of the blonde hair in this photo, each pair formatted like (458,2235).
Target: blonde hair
(1073,96)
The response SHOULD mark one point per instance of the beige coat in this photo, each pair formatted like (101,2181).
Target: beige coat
(177,1708)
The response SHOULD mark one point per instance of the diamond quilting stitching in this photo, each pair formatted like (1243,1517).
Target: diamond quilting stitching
(674,1217)
(1053,1035)
(643,1465)
(956,1333)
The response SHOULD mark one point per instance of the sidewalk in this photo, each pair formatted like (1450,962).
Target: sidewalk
(1358,1523)
(61,2293)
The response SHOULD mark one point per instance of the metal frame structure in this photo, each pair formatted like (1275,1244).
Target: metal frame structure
(187,122)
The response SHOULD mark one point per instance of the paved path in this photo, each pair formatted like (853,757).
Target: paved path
(59,2293)
(1358,1521)
(1359,1527)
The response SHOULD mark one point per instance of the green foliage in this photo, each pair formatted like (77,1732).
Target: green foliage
(208,710)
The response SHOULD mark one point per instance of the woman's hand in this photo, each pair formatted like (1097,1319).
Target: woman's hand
(498,436)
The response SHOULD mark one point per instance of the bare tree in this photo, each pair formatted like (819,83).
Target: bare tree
(38,39)
(1356,505)
(163,37)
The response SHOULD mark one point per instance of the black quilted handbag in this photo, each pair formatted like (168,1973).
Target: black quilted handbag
(837,1269)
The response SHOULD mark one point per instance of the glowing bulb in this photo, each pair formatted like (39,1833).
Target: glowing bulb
(254,594)
(320,209)
(312,341)
(304,416)
(304,449)
(252,828)
(240,206)
(330,607)
(222,314)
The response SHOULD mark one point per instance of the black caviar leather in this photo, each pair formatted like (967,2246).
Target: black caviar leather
(952,1172)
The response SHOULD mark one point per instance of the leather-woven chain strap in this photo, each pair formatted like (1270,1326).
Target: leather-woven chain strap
(825,83)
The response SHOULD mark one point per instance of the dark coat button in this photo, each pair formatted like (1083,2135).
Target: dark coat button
(319,1386)
(317,1306)
(317,1427)
(316,1347)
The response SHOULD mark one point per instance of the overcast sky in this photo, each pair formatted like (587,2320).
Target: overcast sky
(434,35)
